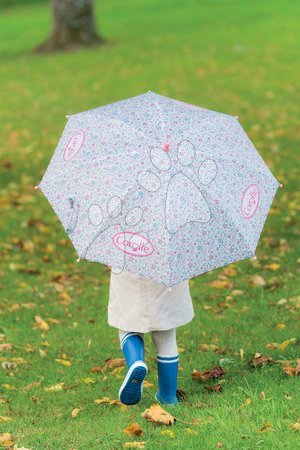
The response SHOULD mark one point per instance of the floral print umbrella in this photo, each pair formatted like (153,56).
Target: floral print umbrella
(159,187)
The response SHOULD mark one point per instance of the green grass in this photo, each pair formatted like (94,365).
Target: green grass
(237,57)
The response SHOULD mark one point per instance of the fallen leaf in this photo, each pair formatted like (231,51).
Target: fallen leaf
(292,371)
(96,369)
(88,380)
(236,292)
(214,388)
(113,363)
(109,401)
(64,362)
(281,326)
(75,412)
(262,395)
(247,402)
(229,271)
(256,281)
(6,440)
(296,426)
(134,444)
(8,386)
(190,431)
(169,433)
(5,347)
(207,347)
(259,360)
(5,419)
(158,415)
(31,386)
(41,323)
(219,445)
(221,284)
(55,388)
(133,429)
(146,384)
(266,427)
(215,372)
(272,266)
(284,344)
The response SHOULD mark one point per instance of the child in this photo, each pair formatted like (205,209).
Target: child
(137,306)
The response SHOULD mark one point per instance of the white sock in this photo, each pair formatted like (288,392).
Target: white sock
(165,342)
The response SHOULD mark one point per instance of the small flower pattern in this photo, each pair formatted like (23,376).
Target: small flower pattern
(159,188)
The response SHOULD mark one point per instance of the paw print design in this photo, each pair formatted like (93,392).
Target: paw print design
(110,227)
(185,203)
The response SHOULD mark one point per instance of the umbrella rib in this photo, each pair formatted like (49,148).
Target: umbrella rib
(162,124)
(103,225)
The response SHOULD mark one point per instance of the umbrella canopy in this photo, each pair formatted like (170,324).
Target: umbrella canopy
(159,187)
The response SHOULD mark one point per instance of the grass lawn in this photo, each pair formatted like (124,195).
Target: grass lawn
(232,56)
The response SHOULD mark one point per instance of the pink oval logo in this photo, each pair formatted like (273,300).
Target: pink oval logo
(250,201)
(133,244)
(74,145)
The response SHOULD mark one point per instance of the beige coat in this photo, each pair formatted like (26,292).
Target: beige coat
(138,304)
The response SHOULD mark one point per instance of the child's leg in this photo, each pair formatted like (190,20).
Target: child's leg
(132,345)
(167,365)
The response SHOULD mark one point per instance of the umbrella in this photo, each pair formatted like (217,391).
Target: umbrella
(159,187)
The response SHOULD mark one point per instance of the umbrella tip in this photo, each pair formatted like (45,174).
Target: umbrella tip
(67,116)
(281,185)
(170,289)
(236,117)
(254,257)
(36,187)
(78,260)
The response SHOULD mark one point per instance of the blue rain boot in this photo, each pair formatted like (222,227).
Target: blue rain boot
(167,379)
(131,389)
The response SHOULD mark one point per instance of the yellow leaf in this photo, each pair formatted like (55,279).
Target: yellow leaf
(109,401)
(5,419)
(42,324)
(229,271)
(281,326)
(75,412)
(55,388)
(295,426)
(257,280)
(133,429)
(168,433)
(88,380)
(190,431)
(158,415)
(284,344)
(49,249)
(237,292)
(146,384)
(64,362)
(207,347)
(221,284)
(248,401)
(9,387)
(42,353)
(134,444)
(6,440)
(272,266)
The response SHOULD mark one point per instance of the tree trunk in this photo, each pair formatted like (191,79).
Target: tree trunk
(73,26)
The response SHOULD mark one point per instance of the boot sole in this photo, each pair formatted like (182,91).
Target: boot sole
(130,392)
